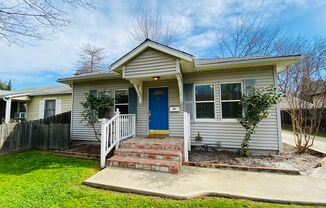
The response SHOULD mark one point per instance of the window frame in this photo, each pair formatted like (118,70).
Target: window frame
(212,101)
(55,106)
(226,101)
(127,104)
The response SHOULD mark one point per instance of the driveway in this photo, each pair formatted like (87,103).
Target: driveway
(319,144)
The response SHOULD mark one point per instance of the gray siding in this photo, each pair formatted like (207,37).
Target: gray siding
(175,118)
(150,63)
(230,133)
(80,131)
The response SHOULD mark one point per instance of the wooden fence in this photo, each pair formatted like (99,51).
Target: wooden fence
(45,134)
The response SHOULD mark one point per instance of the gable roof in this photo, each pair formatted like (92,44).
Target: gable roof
(54,90)
(150,44)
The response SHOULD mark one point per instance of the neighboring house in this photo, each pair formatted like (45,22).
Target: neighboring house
(34,103)
(291,102)
(158,83)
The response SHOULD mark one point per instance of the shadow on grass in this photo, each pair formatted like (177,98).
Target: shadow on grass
(25,162)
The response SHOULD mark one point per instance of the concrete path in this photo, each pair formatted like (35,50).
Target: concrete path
(288,138)
(193,182)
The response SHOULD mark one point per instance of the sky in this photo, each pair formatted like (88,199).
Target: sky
(198,23)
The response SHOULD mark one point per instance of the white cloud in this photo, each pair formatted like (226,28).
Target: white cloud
(108,27)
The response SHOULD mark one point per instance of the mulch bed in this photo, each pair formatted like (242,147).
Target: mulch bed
(287,160)
(88,151)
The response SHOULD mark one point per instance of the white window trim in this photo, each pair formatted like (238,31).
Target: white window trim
(225,101)
(114,96)
(212,101)
(55,106)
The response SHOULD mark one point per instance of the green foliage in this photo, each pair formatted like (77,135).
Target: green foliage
(95,107)
(255,107)
(5,85)
(39,179)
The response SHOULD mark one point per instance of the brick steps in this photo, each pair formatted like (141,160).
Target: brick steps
(145,164)
(175,156)
(163,155)
(151,145)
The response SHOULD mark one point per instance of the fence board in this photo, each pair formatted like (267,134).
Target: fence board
(51,133)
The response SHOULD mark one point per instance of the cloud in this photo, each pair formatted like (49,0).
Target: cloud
(108,27)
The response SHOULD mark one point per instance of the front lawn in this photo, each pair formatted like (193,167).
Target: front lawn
(39,179)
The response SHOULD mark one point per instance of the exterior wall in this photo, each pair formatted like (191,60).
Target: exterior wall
(229,134)
(33,107)
(80,131)
(150,63)
(175,118)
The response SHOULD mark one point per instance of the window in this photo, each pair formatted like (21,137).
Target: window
(204,101)
(121,101)
(49,108)
(93,93)
(230,99)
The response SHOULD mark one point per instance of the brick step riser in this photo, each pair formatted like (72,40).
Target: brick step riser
(158,168)
(150,156)
(151,147)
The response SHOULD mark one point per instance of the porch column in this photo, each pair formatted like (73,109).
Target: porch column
(180,86)
(8,110)
(139,90)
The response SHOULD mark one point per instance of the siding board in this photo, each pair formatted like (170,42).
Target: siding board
(150,63)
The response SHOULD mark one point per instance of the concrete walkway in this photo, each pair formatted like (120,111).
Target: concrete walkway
(193,182)
(319,145)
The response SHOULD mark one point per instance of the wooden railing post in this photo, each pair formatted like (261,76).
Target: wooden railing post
(118,130)
(103,143)
(186,135)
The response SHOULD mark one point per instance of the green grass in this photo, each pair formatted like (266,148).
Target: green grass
(39,179)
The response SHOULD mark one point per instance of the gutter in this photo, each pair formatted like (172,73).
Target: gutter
(294,58)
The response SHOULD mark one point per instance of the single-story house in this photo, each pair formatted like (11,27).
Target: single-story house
(157,84)
(34,103)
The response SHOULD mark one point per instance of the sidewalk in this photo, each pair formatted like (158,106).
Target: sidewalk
(194,182)
(288,138)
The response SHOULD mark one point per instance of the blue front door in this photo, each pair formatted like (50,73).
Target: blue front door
(158,109)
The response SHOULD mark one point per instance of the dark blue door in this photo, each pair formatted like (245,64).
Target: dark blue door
(158,109)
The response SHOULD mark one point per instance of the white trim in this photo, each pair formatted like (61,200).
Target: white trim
(155,46)
(55,109)
(72,109)
(114,91)
(227,101)
(211,101)
(148,130)
(278,114)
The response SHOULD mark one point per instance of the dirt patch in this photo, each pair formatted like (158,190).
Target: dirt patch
(91,149)
(288,159)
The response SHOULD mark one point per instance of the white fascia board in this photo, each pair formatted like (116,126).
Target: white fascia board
(146,45)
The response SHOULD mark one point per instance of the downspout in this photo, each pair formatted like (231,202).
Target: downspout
(8,109)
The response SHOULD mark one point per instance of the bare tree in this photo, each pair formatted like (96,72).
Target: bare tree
(91,58)
(149,24)
(247,37)
(303,80)
(26,21)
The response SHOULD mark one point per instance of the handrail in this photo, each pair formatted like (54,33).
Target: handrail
(119,127)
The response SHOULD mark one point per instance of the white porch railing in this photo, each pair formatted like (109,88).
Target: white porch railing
(119,127)
(186,133)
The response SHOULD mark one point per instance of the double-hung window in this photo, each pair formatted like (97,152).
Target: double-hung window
(121,101)
(204,101)
(49,108)
(230,99)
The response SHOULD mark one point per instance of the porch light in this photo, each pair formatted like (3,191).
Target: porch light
(156,78)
